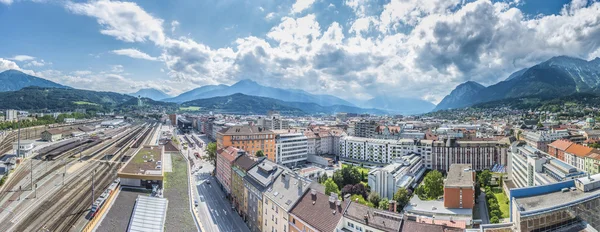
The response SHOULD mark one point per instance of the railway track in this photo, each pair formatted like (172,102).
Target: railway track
(63,209)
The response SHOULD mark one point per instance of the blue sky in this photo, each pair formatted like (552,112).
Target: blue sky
(354,49)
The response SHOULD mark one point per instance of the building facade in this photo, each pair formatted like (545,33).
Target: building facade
(532,167)
(291,147)
(383,151)
(248,138)
(278,200)
(258,179)
(459,187)
(480,154)
(225,158)
(239,194)
(541,139)
(402,173)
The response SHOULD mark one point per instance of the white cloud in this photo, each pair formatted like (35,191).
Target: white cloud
(134,53)
(411,49)
(35,63)
(123,20)
(301,5)
(7,2)
(22,58)
(117,68)
(7,64)
(270,16)
(261,9)
(174,25)
(82,72)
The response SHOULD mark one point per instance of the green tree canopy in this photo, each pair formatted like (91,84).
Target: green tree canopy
(402,197)
(374,198)
(384,204)
(211,153)
(485,177)
(432,186)
(260,153)
(330,187)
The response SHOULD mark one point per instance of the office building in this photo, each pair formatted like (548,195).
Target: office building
(459,187)
(402,173)
(541,139)
(481,155)
(532,167)
(291,147)
(571,205)
(365,129)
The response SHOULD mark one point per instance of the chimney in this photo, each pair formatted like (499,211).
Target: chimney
(313,192)
(393,206)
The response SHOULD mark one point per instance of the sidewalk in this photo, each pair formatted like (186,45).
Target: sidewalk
(192,194)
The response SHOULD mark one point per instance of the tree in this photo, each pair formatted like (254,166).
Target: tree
(347,189)
(494,220)
(496,213)
(374,198)
(485,177)
(384,204)
(211,153)
(260,153)
(330,187)
(433,185)
(359,189)
(402,197)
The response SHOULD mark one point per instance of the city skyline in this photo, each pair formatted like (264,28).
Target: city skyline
(355,50)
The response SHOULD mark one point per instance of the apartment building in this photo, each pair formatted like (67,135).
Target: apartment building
(274,123)
(575,155)
(291,147)
(459,187)
(365,128)
(533,167)
(480,154)
(358,217)
(225,158)
(239,194)
(257,181)
(557,148)
(402,173)
(316,212)
(383,150)
(248,138)
(541,139)
(278,200)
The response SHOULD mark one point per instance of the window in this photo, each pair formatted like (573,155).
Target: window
(272,217)
(275,221)
(351,225)
(265,222)
(294,221)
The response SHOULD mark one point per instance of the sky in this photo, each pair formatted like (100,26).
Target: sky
(353,49)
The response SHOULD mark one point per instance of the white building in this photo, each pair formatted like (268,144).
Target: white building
(291,147)
(541,139)
(383,150)
(24,147)
(69,120)
(532,167)
(11,115)
(403,173)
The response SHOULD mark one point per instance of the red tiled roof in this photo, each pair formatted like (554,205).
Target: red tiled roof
(229,153)
(579,150)
(561,144)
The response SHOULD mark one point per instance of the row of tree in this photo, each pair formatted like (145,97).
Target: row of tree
(45,120)
(484,179)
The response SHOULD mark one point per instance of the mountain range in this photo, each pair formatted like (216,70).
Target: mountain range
(249,87)
(151,93)
(398,105)
(556,77)
(12,80)
(239,103)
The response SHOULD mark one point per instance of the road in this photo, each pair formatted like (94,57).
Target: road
(214,210)
(483,211)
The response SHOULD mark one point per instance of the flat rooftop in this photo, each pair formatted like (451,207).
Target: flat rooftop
(553,199)
(460,175)
(145,162)
(436,207)
(149,214)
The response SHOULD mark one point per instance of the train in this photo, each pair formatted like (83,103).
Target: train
(99,203)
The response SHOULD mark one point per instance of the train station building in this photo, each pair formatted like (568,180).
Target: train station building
(144,169)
